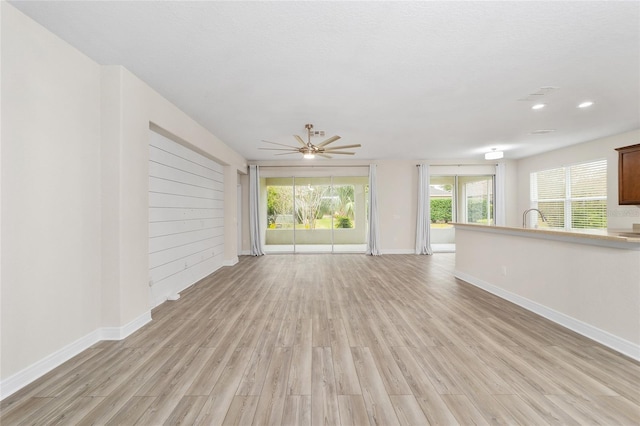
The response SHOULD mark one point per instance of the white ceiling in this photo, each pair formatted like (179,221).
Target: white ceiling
(419,80)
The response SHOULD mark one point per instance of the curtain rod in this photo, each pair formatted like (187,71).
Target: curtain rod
(328,165)
(459,165)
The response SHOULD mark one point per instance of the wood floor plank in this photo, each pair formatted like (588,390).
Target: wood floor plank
(70,413)
(464,410)
(408,410)
(376,399)
(297,410)
(564,375)
(623,410)
(579,410)
(186,411)
(272,396)
(287,333)
(520,411)
(441,373)
(241,410)
(347,382)
(320,324)
(545,408)
(217,404)
(26,406)
(254,376)
(131,410)
(324,399)
(174,387)
(391,375)
(134,380)
(432,405)
(337,339)
(300,374)
(352,410)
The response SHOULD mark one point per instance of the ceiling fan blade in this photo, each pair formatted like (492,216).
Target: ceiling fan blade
(338,152)
(288,153)
(324,155)
(328,141)
(281,144)
(343,147)
(280,149)
(299,139)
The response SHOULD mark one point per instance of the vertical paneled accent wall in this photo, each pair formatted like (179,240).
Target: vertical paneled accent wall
(186,217)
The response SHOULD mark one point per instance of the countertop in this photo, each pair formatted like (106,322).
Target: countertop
(626,237)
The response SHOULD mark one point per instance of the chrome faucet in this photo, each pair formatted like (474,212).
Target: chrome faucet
(524,216)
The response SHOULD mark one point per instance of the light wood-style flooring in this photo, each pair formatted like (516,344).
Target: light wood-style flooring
(338,340)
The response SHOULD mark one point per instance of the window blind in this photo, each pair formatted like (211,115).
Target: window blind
(572,197)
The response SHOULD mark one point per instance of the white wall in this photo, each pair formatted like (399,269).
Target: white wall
(74,192)
(51,186)
(397,205)
(619,217)
(186,217)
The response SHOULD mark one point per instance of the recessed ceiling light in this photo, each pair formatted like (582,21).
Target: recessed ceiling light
(585,104)
(538,106)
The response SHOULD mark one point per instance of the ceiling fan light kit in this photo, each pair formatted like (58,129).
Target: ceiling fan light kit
(309,150)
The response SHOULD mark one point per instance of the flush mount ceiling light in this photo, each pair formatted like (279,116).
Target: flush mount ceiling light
(493,155)
(309,150)
(538,106)
(585,104)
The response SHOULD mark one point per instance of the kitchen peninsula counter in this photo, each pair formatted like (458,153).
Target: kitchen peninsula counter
(624,239)
(587,281)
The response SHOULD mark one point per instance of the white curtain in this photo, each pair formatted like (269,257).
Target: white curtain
(500,211)
(423,237)
(254,211)
(373,244)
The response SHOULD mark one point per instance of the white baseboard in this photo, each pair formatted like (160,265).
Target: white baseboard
(604,337)
(38,369)
(231,262)
(119,333)
(245,253)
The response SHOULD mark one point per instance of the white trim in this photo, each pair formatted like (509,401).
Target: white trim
(604,337)
(230,262)
(22,378)
(119,333)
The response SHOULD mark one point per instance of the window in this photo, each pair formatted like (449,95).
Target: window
(311,206)
(572,197)
(465,199)
(315,214)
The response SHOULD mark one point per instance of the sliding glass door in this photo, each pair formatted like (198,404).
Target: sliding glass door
(463,199)
(316,214)
(475,199)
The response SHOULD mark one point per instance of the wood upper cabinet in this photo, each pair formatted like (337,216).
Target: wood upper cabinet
(629,174)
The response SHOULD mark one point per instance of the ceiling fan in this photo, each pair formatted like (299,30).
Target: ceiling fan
(309,150)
